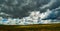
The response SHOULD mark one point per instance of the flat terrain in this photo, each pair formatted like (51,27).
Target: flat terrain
(35,27)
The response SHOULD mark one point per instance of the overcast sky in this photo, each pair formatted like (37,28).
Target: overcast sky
(21,8)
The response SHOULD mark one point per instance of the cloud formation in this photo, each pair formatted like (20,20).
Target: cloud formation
(35,17)
(21,8)
(49,4)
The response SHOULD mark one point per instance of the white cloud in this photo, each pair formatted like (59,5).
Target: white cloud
(34,17)
(45,14)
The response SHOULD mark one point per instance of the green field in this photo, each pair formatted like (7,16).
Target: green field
(35,27)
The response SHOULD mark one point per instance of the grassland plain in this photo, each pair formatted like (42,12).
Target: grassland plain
(34,27)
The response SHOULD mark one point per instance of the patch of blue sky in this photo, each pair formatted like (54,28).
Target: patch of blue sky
(4,20)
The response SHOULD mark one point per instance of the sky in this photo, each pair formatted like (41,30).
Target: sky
(21,8)
(47,10)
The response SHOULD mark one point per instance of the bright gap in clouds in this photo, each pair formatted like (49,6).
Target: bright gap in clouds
(35,17)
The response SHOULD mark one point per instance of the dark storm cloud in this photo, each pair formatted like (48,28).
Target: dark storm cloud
(53,14)
(53,4)
(21,8)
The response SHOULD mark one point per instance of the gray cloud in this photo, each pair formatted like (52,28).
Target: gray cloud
(49,4)
(21,8)
(53,14)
